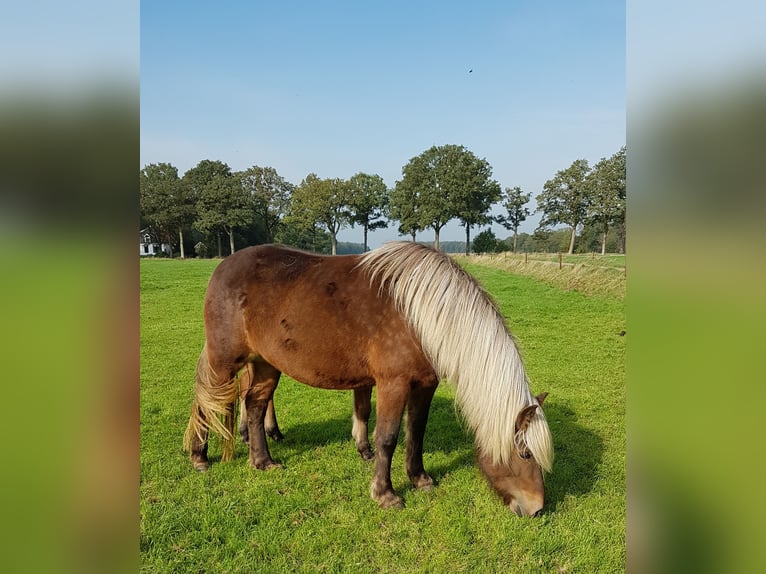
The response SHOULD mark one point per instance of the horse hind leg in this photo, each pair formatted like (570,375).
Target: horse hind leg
(270,424)
(270,421)
(215,395)
(360,420)
(257,401)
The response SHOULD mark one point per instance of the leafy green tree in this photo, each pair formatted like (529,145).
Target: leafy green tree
(472,190)
(165,203)
(485,242)
(309,238)
(368,198)
(403,207)
(447,182)
(427,177)
(606,185)
(564,199)
(514,202)
(269,195)
(222,203)
(322,202)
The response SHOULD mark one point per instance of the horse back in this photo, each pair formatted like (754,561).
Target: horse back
(316,318)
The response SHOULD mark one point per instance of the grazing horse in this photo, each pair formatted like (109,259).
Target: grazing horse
(400,317)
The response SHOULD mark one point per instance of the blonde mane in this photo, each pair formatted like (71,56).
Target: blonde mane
(466,339)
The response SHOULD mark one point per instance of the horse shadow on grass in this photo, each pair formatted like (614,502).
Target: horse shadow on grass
(578,449)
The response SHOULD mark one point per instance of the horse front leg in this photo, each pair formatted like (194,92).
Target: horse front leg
(418,406)
(361,418)
(392,397)
(265,379)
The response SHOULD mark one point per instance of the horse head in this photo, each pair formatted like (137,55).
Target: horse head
(519,482)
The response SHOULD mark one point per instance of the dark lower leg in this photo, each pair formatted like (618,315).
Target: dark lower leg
(270,422)
(257,401)
(198,451)
(359,429)
(243,430)
(391,400)
(259,450)
(418,406)
(381,489)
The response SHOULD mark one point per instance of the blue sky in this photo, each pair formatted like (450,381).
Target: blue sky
(337,88)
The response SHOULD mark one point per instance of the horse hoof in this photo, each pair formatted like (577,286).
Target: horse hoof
(389,500)
(367,454)
(266,465)
(394,502)
(276,436)
(423,482)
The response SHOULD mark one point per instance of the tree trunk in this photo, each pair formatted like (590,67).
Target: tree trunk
(365,239)
(436,238)
(603,243)
(413,235)
(181,242)
(467,239)
(231,241)
(334,243)
(571,242)
(169,237)
(515,235)
(220,248)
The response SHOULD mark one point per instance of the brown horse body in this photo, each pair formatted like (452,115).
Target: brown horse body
(329,323)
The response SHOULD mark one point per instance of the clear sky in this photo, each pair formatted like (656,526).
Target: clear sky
(341,87)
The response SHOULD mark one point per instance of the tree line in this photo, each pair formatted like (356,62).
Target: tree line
(211,204)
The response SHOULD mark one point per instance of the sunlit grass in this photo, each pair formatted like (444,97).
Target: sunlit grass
(315,514)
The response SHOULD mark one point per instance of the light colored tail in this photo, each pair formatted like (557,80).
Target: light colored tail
(214,407)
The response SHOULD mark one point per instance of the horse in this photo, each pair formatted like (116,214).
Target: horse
(401,317)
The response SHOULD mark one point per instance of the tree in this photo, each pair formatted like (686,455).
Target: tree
(606,190)
(485,242)
(564,198)
(269,195)
(426,177)
(309,238)
(222,204)
(447,181)
(322,202)
(368,198)
(474,192)
(403,207)
(164,203)
(514,202)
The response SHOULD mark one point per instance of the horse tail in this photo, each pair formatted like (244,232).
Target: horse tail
(214,407)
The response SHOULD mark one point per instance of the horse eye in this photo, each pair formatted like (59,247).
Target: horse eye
(525,454)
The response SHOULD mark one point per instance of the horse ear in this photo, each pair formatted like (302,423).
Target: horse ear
(541,397)
(525,417)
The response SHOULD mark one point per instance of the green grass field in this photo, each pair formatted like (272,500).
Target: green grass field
(316,515)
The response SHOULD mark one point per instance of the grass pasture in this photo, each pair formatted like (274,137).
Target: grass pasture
(315,514)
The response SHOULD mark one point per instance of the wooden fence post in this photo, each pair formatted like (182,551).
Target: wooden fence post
(560,259)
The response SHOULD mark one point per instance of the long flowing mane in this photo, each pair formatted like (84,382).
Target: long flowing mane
(466,339)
